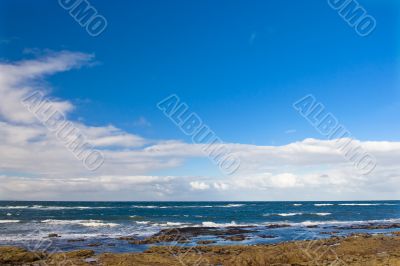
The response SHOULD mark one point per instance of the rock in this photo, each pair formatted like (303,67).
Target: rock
(329,233)
(312,226)
(370,226)
(53,235)
(182,235)
(76,240)
(272,226)
(267,236)
(94,244)
(235,238)
(19,256)
(128,238)
(206,242)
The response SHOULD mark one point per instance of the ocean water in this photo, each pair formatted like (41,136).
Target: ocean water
(29,223)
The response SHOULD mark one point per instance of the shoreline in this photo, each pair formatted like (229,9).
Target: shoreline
(357,249)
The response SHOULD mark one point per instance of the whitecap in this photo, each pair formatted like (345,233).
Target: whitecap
(359,204)
(87,223)
(290,214)
(9,221)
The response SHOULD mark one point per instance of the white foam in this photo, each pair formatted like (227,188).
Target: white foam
(290,214)
(9,221)
(232,205)
(297,204)
(14,207)
(359,204)
(52,208)
(322,213)
(142,222)
(212,224)
(87,223)
(323,204)
(335,222)
(145,207)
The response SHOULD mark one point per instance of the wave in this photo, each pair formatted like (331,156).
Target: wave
(335,222)
(9,221)
(359,204)
(87,223)
(323,204)
(170,224)
(187,206)
(51,208)
(322,213)
(213,224)
(300,224)
(13,207)
(232,205)
(145,206)
(142,222)
(297,204)
(290,214)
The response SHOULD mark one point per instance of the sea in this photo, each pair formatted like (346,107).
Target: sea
(100,224)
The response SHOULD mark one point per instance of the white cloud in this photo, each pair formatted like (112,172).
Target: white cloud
(196,185)
(34,164)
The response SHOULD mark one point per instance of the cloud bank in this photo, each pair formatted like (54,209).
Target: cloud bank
(35,165)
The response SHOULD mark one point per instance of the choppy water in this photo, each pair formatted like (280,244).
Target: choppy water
(28,223)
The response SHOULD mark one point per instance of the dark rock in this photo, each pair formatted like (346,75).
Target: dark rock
(76,240)
(206,242)
(370,226)
(182,235)
(94,244)
(312,226)
(235,238)
(53,235)
(272,226)
(128,238)
(267,236)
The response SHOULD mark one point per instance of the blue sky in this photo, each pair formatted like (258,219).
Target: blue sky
(239,65)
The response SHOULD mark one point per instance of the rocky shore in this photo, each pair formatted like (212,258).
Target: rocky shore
(359,249)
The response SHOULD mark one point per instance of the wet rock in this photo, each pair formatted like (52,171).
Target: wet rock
(235,238)
(267,236)
(272,226)
(76,240)
(183,235)
(206,242)
(370,226)
(53,235)
(329,233)
(128,238)
(312,226)
(94,244)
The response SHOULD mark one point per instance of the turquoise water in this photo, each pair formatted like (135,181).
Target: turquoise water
(24,223)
